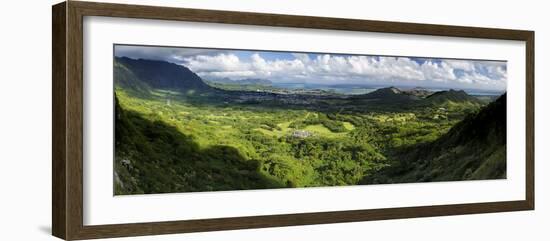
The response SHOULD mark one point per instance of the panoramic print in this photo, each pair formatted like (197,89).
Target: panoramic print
(198,119)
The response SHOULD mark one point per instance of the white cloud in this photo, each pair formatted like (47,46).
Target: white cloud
(233,74)
(461,64)
(440,72)
(332,69)
(174,55)
(302,57)
(220,62)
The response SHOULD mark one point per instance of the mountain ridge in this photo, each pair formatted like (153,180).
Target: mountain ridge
(418,91)
(453,95)
(162,75)
(141,75)
(388,94)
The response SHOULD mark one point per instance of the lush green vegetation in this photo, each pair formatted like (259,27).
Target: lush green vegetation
(473,149)
(191,137)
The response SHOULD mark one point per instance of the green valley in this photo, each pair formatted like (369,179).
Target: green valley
(175,132)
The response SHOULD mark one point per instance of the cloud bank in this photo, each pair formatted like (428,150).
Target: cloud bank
(331,69)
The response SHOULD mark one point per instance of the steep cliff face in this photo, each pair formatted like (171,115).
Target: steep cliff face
(157,74)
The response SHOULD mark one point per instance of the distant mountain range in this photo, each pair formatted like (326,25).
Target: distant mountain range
(247,81)
(392,94)
(458,96)
(418,96)
(141,75)
(418,91)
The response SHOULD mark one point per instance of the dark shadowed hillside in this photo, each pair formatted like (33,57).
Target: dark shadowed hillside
(473,149)
(154,157)
(158,74)
(125,78)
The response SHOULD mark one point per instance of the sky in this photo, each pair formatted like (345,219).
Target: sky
(329,68)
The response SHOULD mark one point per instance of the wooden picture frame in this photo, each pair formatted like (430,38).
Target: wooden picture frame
(67,124)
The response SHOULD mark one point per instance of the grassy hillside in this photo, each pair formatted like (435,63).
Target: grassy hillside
(450,97)
(473,149)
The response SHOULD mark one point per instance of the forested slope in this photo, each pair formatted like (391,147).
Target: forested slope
(473,149)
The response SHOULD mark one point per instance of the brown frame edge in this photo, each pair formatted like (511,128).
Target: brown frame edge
(67,122)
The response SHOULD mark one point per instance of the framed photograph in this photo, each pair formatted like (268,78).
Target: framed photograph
(171,120)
